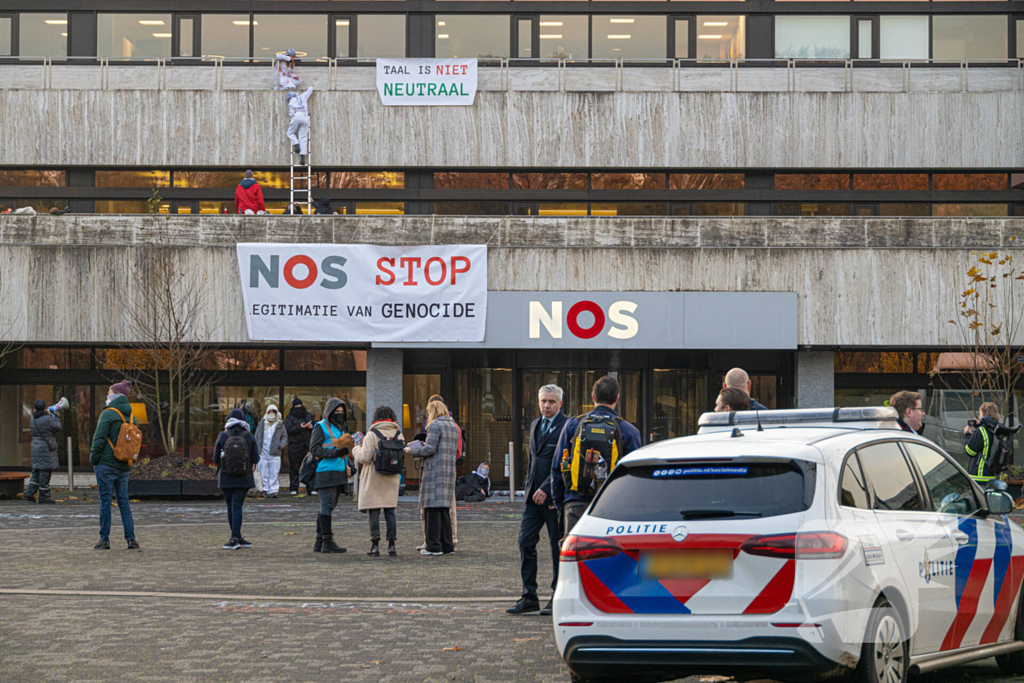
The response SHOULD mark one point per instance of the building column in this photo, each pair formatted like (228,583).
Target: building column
(10,427)
(384,375)
(815,379)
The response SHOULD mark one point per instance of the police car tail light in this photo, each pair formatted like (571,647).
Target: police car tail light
(583,548)
(814,545)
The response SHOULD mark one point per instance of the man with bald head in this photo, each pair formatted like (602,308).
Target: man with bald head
(737,378)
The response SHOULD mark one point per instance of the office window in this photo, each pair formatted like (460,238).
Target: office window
(1020,38)
(969,181)
(706,181)
(133,35)
(904,210)
(890,181)
(225,36)
(682,39)
(380,208)
(342,33)
(812,209)
(32,178)
(304,33)
(380,35)
(719,209)
(720,37)
(630,37)
(627,209)
(471,181)
(43,35)
(5,36)
(373,180)
(562,209)
(865,38)
(133,178)
(903,37)
(549,181)
(627,181)
(969,36)
(471,208)
(563,36)
(131,206)
(980,210)
(186,35)
(812,36)
(812,181)
(466,35)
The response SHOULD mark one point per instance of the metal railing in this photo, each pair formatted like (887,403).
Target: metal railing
(509,68)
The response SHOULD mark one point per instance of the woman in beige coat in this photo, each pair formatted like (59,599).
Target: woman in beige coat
(378,491)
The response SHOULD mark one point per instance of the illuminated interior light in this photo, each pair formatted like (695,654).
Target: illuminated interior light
(622,21)
(151,22)
(612,36)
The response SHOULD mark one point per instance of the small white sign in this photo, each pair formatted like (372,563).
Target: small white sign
(426,82)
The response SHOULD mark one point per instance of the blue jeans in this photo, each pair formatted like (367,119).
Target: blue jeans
(234,497)
(112,482)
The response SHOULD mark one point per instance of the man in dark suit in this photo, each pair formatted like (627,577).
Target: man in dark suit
(540,510)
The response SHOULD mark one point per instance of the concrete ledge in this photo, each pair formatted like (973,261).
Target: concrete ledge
(516,232)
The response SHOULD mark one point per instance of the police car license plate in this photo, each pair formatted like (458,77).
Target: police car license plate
(686,564)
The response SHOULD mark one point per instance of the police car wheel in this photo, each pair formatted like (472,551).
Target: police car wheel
(885,654)
(1014,663)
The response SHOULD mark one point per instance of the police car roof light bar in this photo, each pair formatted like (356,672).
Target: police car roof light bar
(874,417)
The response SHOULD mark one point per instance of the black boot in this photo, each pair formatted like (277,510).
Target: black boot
(295,148)
(374,547)
(302,160)
(391,549)
(329,545)
(319,537)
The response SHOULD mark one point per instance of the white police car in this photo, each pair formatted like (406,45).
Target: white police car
(794,545)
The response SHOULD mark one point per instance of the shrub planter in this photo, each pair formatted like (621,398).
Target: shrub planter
(199,488)
(145,487)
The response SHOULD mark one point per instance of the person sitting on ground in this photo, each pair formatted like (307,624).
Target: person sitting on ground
(249,195)
(731,399)
(737,378)
(235,454)
(475,486)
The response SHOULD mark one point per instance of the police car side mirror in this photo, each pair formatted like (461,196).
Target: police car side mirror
(998,502)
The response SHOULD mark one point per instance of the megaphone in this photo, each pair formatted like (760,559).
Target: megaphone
(59,405)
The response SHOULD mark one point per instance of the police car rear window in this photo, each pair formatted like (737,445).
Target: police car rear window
(737,490)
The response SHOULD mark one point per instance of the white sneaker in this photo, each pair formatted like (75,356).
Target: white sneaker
(427,552)
(312,493)
(295,493)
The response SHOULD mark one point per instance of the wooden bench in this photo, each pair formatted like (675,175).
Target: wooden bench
(12,483)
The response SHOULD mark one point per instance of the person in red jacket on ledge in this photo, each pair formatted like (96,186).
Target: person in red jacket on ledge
(249,195)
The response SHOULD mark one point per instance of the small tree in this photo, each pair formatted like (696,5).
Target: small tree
(168,352)
(990,314)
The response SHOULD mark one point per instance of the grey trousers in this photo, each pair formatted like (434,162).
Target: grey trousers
(39,481)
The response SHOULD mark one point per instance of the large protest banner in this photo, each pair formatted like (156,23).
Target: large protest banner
(431,82)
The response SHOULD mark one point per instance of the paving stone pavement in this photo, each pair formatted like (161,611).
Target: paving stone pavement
(277,612)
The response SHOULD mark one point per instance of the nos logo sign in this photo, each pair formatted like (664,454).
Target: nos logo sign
(584,319)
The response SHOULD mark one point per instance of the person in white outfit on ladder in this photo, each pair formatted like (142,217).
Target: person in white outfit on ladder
(272,440)
(298,129)
(285,77)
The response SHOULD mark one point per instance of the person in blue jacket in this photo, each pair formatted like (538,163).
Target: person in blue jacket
(572,504)
(332,446)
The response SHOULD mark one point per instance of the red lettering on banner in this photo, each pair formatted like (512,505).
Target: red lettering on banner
(381,267)
(455,266)
(572,320)
(444,271)
(289,268)
(409,261)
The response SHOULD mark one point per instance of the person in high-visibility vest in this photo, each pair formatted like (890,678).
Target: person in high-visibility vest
(981,444)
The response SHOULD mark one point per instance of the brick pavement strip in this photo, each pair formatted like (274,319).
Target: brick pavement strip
(278,612)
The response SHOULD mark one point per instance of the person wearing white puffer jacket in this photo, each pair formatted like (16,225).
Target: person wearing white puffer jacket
(272,440)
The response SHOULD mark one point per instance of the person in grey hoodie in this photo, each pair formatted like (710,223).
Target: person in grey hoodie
(272,440)
(43,425)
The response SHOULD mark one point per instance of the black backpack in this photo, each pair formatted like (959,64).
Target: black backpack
(389,458)
(234,458)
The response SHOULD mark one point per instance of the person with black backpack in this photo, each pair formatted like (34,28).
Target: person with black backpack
(381,457)
(588,449)
(236,454)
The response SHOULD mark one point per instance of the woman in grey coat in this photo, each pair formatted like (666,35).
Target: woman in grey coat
(437,478)
(43,425)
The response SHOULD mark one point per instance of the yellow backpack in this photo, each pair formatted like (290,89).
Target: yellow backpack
(129,440)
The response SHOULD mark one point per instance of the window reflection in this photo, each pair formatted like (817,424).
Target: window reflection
(629,36)
(563,36)
(381,35)
(720,209)
(380,208)
(32,178)
(720,37)
(811,209)
(133,178)
(627,209)
(903,37)
(969,36)
(706,181)
(466,35)
(43,35)
(5,36)
(890,181)
(225,36)
(888,209)
(471,181)
(305,360)
(304,33)
(549,181)
(812,36)
(980,210)
(133,35)
(812,181)
(374,180)
(471,208)
(969,181)
(628,181)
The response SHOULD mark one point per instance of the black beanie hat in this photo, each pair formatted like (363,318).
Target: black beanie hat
(40,404)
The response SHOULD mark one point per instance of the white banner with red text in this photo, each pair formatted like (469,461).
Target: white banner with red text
(364,293)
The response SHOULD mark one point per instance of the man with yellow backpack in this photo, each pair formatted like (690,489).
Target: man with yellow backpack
(115,446)
(588,450)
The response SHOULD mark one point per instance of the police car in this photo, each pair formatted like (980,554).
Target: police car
(795,545)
